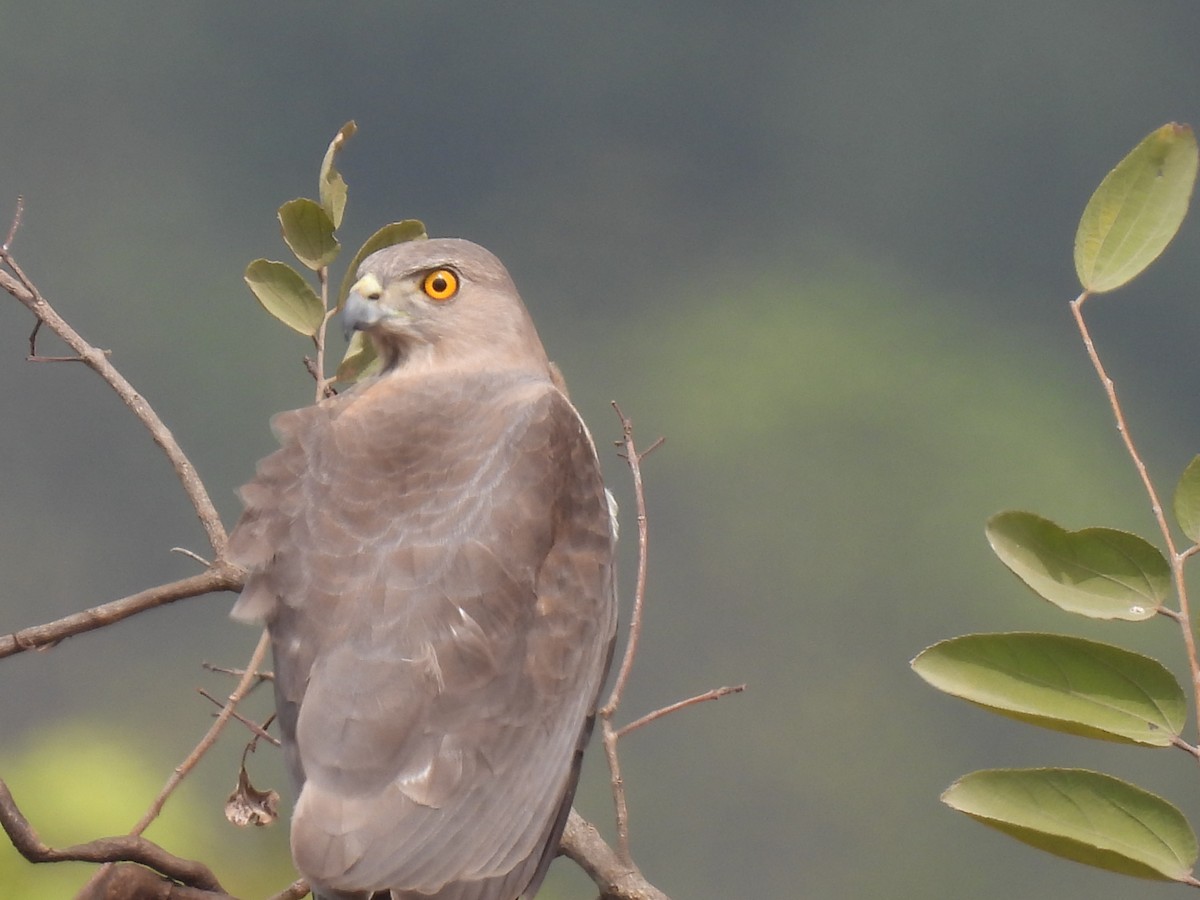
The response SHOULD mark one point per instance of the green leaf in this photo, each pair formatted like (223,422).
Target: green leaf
(1084,816)
(360,360)
(1137,209)
(1097,572)
(285,295)
(308,231)
(1063,683)
(1187,501)
(395,233)
(332,185)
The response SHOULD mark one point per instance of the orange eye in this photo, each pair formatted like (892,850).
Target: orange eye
(440,284)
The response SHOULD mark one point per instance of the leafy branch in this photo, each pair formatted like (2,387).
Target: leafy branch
(1078,686)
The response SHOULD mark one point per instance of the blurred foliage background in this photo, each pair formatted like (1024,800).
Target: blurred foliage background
(823,247)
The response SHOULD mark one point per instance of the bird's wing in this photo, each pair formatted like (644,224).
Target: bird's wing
(435,566)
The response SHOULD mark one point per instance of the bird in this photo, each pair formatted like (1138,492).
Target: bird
(431,552)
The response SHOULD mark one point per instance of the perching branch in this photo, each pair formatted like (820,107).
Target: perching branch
(616,878)
(221,577)
(126,848)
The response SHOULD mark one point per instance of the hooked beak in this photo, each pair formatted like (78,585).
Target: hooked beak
(360,314)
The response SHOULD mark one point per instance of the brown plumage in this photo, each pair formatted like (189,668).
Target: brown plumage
(432,554)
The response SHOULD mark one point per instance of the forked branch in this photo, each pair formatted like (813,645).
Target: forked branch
(610,733)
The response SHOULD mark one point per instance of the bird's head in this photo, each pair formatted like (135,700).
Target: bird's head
(441,301)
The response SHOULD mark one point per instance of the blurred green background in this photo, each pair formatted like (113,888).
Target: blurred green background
(823,247)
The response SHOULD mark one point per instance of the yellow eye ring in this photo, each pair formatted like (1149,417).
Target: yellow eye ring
(440,284)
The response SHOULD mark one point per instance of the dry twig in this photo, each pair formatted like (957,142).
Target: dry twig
(221,577)
(259,731)
(610,733)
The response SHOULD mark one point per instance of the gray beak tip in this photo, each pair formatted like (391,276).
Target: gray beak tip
(359,314)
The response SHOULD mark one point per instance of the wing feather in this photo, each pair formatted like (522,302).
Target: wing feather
(435,566)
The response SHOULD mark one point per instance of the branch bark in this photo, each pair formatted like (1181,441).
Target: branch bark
(617,878)
(219,577)
(129,881)
(126,848)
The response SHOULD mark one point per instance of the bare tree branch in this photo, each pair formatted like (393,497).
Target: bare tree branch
(221,577)
(634,460)
(714,694)
(13,227)
(294,891)
(248,679)
(257,730)
(608,731)
(126,848)
(617,878)
(130,881)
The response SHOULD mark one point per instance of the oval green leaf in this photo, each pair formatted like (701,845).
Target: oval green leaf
(331,184)
(285,295)
(308,231)
(1063,683)
(360,360)
(395,233)
(1137,209)
(1097,572)
(1187,501)
(1083,816)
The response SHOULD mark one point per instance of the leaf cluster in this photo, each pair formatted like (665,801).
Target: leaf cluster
(1069,684)
(309,228)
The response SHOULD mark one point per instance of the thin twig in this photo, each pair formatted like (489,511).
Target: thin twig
(13,227)
(27,293)
(219,578)
(1185,746)
(633,459)
(191,554)
(182,770)
(714,694)
(608,732)
(257,730)
(237,673)
(1176,559)
(318,367)
(294,891)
